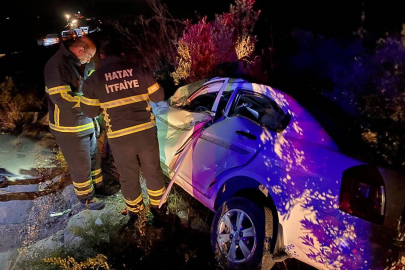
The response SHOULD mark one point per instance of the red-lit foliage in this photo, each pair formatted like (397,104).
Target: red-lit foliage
(204,45)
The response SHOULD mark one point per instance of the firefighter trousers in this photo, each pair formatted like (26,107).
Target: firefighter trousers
(83,158)
(131,153)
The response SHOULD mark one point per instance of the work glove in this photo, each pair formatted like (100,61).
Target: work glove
(98,125)
(97,129)
(100,120)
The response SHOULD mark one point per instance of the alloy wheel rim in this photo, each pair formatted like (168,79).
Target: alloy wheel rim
(236,236)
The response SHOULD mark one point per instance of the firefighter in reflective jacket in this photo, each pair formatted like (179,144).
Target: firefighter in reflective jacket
(74,132)
(123,92)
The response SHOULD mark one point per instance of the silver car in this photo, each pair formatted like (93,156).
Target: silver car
(277,182)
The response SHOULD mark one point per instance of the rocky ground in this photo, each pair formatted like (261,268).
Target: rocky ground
(29,179)
(41,218)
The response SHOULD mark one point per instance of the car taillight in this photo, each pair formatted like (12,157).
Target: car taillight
(362,193)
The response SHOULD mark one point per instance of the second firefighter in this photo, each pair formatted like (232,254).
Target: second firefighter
(123,92)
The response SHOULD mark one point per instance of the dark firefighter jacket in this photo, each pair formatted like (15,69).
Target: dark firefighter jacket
(62,86)
(123,92)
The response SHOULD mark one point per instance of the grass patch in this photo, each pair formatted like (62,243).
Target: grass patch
(13,103)
(98,262)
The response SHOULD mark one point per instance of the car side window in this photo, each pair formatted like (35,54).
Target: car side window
(203,99)
(260,109)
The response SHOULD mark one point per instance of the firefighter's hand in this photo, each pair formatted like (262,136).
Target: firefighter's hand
(97,128)
(100,120)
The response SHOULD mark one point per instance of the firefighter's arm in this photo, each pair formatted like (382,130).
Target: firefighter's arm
(155,91)
(89,102)
(58,88)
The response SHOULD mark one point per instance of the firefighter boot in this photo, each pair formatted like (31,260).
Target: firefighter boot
(160,218)
(93,204)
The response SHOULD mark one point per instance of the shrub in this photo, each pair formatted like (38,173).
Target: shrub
(13,103)
(150,38)
(366,82)
(383,107)
(201,50)
(205,45)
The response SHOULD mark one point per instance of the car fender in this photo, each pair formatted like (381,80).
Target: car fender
(234,177)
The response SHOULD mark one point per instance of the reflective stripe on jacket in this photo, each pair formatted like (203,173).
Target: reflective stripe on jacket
(62,91)
(122,92)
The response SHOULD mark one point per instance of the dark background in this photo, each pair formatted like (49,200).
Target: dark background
(30,20)
(36,18)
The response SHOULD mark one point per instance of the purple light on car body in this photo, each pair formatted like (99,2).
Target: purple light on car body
(302,168)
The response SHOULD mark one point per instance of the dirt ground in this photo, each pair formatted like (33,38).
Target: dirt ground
(182,243)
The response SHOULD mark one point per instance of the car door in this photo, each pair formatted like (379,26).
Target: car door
(228,143)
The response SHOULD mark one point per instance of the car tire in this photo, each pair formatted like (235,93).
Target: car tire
(232,249)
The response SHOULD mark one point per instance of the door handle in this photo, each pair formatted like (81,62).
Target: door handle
(246,134)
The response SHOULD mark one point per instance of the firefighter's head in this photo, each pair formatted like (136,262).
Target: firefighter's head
(84,49)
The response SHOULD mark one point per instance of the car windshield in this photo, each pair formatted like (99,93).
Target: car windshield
(181,95)
(203,98)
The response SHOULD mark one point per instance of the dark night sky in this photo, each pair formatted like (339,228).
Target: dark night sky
(329,17)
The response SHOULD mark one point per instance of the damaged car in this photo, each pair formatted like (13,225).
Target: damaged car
(277,182)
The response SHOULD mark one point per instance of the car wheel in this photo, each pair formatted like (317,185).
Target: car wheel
(238,233)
